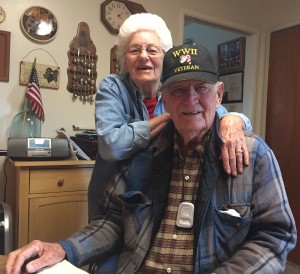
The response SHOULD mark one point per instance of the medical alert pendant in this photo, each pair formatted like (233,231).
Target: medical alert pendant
(185,215)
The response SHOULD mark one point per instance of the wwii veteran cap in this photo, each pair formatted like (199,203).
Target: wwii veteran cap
(188,62)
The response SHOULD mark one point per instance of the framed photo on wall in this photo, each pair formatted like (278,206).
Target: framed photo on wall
(4,55)
(233,87)
(231,55)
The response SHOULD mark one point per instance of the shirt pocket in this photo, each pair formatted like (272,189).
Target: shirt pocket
(231,227)
(136,208)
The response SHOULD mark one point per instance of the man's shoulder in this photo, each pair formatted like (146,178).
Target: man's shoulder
(256,143)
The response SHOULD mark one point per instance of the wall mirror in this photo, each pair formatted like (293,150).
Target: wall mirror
(39,24)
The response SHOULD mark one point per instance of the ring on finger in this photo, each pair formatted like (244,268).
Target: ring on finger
(239,151)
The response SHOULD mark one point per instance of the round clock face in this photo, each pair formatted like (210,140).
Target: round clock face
(2,15)
(116,13)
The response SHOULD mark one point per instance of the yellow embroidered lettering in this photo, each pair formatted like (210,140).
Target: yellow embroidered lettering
(188,67)
(176,53)
(179,69)
(194,51)
(185,51)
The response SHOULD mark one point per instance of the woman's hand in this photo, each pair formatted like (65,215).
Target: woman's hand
(157,124)
(234,152)
(34,257)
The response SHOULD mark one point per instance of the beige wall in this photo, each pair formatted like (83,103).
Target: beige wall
(256,17)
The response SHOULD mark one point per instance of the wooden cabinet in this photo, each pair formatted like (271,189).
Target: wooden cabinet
(48,198)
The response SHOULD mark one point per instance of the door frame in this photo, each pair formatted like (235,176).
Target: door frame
(252,81)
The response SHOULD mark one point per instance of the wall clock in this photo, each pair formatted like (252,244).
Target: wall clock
(2,15)
(115,12)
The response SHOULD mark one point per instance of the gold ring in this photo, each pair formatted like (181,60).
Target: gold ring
(239,151)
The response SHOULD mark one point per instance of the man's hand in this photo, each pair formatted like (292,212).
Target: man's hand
(234,152)
(34,257)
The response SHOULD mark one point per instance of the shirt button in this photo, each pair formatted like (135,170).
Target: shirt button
(169,270)
(187,177)
(174,237)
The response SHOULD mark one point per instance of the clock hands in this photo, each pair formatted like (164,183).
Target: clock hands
(120,15)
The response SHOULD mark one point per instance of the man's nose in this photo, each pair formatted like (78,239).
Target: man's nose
(191,94)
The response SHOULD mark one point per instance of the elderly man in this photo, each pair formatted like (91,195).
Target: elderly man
(205,221)
(191,216)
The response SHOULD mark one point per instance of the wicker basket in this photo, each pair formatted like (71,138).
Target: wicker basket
(88,146)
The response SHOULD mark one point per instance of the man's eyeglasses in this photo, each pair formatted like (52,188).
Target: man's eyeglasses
(152,51)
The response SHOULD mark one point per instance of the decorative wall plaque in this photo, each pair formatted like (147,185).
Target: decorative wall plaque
(48,75)
(114,64)
(82,72)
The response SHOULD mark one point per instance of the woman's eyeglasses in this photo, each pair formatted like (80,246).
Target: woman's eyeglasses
(152,51)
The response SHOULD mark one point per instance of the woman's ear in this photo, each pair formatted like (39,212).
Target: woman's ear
(220,92)
(123,67)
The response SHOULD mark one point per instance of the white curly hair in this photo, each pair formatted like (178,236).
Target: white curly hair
(139,22)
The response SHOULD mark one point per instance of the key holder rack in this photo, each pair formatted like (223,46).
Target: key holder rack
(82,73)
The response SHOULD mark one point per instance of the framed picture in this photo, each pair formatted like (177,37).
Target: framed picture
(233,87)
(4,55)
(231,55)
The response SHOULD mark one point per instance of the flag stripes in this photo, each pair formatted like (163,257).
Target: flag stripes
(34,95)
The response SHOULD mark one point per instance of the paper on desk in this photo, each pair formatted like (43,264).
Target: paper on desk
(63,267)
(76,148)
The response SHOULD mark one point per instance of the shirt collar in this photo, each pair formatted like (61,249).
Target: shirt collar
(199,149)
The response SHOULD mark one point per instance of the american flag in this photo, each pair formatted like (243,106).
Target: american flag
(34,95)
(185,58)
(188,59)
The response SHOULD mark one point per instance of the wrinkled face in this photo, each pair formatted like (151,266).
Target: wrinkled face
(143,58)
(192,106)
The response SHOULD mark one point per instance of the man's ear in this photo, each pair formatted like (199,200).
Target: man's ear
(220,92)
(163,98)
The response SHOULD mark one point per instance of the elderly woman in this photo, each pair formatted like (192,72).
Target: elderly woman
(130,114)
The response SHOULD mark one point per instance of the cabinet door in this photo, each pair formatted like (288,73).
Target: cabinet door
(55,218)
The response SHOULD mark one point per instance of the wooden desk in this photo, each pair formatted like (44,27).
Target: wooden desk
(48,198)
(2,264)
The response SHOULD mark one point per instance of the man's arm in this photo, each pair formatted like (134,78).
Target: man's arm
(33,257)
